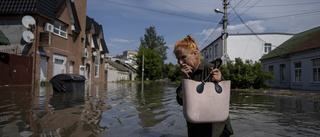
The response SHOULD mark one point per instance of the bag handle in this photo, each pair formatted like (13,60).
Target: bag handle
(218,88)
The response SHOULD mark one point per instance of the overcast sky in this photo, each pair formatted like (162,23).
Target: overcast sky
(125,21)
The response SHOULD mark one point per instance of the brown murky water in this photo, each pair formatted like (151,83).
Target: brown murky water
(128,109)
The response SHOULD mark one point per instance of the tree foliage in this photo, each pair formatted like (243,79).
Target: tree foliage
(152,63)
(173,72)
(246,74)
(155,53)
(152,41)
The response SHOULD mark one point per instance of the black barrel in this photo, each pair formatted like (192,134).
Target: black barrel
(68,82)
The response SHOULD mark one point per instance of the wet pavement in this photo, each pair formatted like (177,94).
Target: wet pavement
(149,110)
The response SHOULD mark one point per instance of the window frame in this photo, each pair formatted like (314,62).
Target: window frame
(316,70)
(58,26)
(96,66)
(297,72)
(267,48)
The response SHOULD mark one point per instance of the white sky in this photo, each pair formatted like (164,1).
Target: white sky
(125,21)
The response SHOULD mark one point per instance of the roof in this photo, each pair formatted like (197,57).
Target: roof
(76,19)
(47,8)
(306,40)
(3,39)
(104,46)
(117,66)
(97,29)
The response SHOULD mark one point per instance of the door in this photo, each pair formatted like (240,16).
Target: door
(88,72)
(59,64)
(43,72)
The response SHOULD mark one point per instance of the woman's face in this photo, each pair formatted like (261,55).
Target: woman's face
(187,59)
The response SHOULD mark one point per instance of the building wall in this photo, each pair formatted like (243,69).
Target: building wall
(115,75)
(249,47)
(245,46)
(305,58)
(277,83)
(206,52)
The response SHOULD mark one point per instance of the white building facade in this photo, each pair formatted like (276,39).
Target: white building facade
(244,46)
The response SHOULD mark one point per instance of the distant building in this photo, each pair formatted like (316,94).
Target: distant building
(117,71)
(296,63)
(244,46)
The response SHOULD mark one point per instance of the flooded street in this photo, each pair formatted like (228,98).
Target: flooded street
(148,110)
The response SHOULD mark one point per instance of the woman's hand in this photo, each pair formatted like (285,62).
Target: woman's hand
(186,70)
(216,75)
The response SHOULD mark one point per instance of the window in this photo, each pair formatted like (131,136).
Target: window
(96,66)
(60,29)
(297,71)
(81,71)
(216,50)
(316,70)
(267,47)
(271,69)
(282,72)
(71,67)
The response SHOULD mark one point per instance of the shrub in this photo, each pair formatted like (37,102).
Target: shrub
(245,75)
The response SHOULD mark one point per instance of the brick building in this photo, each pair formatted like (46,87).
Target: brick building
(47,38)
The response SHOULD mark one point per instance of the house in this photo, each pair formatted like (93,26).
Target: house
(244,46)
(47,38)
(296,62)
(94,53)
(116,72)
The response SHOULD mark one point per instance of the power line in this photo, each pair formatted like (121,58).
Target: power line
(286,16)
(159,11)
(182,8)
(248,26)
(281,5)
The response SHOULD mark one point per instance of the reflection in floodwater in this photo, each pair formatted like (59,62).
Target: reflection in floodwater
(149,109)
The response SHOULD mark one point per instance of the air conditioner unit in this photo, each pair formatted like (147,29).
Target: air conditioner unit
(85,54)
(48,27)
(94,53)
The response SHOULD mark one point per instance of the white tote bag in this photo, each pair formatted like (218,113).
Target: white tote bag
(206,105)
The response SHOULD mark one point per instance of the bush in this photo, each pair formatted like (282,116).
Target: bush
(245,75)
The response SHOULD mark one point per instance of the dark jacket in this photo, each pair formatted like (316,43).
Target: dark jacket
(205,129)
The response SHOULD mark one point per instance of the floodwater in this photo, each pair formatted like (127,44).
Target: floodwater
(148,110)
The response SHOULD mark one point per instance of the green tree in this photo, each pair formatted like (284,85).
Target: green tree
(152,63)
(173,72)
(155,53)
(152,41)
(246,74)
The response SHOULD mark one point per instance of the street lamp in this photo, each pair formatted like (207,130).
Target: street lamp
(218,11)
(225,56)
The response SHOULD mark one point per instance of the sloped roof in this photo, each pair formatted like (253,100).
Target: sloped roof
(300,42)
(104,46)
(47,8)
(117,66)
(90,22)
(75,15)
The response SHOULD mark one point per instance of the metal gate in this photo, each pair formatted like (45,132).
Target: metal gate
(15,70)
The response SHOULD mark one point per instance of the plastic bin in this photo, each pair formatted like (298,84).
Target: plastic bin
(68,82)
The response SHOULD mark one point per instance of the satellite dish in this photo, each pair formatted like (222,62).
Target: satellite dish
(28,36)
(27,21)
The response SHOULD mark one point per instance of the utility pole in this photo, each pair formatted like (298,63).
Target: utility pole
(142,65)
(225,56)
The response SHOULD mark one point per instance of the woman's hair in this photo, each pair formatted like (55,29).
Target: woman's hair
(188,44)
